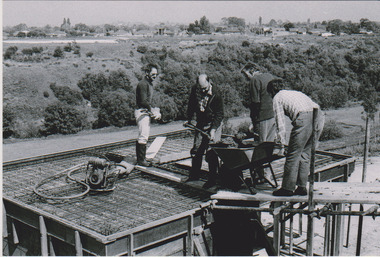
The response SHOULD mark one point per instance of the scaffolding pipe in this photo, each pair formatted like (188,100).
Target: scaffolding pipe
(310,219)
(366,143)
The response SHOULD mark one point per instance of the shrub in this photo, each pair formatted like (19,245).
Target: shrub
(245,43)
(37,50)
(10,52)
(167,105)
(77,51)
(331,130)
(27,128)
(46,94)
(92,85)
(66,94)
(142,49)
(8,119)
(116,109)
(58,52)
(89,54)
(67,48)
(60,118)
(27,51)
(131,53)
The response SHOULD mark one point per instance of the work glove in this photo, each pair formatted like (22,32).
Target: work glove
(212,135)
(156,114)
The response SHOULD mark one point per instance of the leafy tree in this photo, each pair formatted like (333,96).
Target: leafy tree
(204,24)
(288,26)
(335,26)
(61,118)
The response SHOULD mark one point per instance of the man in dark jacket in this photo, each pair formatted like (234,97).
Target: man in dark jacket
(261,106)
(206,103)
(144,111)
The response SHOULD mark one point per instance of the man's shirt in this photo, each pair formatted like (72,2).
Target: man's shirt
(144,92)
(260,100)
(290,103)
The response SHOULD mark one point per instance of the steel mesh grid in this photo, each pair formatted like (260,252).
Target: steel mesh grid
(128,206)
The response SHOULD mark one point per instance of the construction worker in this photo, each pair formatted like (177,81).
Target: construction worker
(144,111)
(261,107)
(206,103)
(299,108)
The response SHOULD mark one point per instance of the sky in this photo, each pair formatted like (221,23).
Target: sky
(41,13)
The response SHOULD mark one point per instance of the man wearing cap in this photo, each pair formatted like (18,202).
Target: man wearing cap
(206,103)
(299,108)
(144,111)
(260,105)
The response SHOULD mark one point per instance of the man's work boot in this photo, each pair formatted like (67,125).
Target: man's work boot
(140,155)
(300,191)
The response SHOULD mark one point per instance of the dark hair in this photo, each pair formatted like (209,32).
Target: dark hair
(249,66)
(275,85)
(148,68)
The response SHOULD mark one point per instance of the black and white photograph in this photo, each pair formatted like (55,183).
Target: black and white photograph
(190,128)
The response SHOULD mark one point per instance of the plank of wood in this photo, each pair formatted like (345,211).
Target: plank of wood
(175,156)
(334,193)
(160,173)
(155,147)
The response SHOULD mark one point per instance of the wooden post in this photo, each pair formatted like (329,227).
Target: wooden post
(310,218)
(190,247)
(78,244)
(291,233)
(276,229)
(364,174)
(14,233)
(44,237)
(51,247)
(131,251)
(300,223)
(5,229)
(326,245)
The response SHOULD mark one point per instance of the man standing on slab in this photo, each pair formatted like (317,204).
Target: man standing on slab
(144,112)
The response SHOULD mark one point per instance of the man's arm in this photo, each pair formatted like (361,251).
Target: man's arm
(254,93)
(191,106)
(280,119)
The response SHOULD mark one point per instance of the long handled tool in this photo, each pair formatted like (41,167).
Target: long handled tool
(189,125)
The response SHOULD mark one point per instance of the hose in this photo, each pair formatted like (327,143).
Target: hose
(69,172)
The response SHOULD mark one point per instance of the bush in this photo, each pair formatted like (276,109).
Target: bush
(67,48)
(8,119)
(46,94)
(61,118)
(245,43)
(66,94)
(27,51)
(116,109)
(142,49)
(10,52)
(89,54)
(58,52)
(168,107)
(27,128)
(92,85)
(331,130)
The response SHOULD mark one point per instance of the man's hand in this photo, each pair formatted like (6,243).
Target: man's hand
(279,150)
(212,135)
(156,114)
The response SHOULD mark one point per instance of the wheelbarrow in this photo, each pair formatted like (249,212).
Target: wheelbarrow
(237,159)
